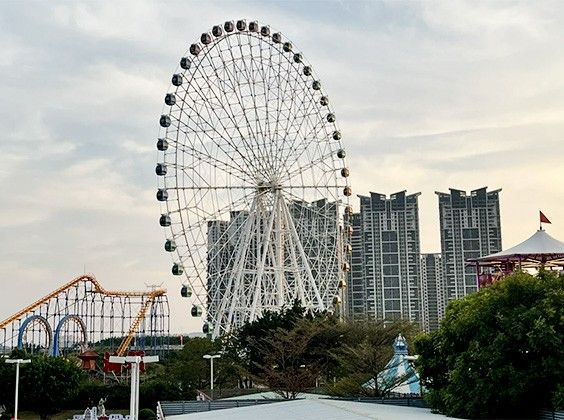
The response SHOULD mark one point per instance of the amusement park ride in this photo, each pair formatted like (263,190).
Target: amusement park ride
(81,316)
(252,179)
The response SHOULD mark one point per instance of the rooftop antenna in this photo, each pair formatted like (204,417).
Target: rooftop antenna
(153,287)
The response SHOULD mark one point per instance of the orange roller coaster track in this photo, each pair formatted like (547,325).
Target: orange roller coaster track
(107,314)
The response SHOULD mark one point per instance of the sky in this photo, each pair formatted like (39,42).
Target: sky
(428,96)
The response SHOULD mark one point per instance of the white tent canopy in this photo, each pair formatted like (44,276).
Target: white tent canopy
(541,248)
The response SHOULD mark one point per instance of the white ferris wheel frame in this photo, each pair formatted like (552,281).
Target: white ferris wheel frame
(252,178)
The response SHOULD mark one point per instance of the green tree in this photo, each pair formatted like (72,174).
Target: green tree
(288,367)
(241,347)
(499,353)
(292,350)
(48,384)
(147,414)
(366,347)
(187,371)
(7,383)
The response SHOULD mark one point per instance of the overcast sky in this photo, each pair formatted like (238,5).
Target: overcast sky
(428,96)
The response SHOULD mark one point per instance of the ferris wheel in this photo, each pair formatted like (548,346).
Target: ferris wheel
(252,179)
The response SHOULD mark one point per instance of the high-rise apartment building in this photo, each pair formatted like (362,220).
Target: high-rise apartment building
(470,228)
(384,282)
(432,290)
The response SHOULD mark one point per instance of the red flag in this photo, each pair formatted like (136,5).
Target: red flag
(543,218)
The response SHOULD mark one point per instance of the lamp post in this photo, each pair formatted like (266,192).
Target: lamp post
(135,362)
(17,362)
(211,357)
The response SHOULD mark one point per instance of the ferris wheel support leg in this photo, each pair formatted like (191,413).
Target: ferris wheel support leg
(231,295)
(277,300)
(265,245)
(299,290)
(279,259)
(303,255)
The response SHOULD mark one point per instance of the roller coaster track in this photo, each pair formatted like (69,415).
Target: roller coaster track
(150,297)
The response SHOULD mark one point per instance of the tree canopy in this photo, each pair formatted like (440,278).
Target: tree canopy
(293,350)
(49,383)
(498,353)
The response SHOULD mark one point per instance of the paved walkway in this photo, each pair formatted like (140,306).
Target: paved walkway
(316,410)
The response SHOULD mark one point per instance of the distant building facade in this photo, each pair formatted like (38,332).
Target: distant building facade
(432,290)
(384,281)
(470,227)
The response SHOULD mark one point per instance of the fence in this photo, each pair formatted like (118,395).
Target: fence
(172,408)
(551,415)
(404,402)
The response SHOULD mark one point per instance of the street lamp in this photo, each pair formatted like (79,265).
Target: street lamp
(211,357)
(135,362)
(17,362)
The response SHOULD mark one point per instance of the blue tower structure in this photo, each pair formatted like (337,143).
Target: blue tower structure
(399,376)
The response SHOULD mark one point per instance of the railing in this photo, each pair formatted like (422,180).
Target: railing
(401,401)
(172,408)
(551,415)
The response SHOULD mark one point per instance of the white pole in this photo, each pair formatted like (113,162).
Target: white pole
(211,357)
(137,377)
(132,397)
(211,375)
(17,362)
(17,389)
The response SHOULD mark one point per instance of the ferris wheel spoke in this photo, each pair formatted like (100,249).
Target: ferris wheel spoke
(215,215)
(313,139)
(221,187)
(266,75)
(227,170)
(195,209)
(223,135)
(308,103)
(314,163)
(290,93)
(234,84)
(216,142)
(241,65)
(204,152)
